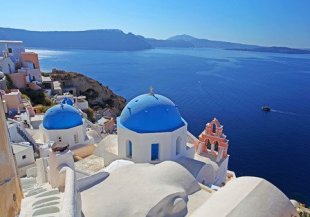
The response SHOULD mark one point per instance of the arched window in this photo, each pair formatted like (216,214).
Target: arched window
(155,152)
(214,128)
(209,144)
(216,146)
(129,149)
(178,146)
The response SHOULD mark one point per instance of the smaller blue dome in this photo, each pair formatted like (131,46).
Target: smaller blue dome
(151,113)
(67,101)
(62,116)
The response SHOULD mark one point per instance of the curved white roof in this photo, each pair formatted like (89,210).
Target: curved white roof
(247,196)
(141,190)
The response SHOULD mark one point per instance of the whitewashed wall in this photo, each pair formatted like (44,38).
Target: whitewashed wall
(141,144)
(67,135)
(29,157)
(6,64)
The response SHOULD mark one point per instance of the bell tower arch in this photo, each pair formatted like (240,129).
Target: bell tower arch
(212,141)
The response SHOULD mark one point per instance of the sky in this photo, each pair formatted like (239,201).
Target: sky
(261,22)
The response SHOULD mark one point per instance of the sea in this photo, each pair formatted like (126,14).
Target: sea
(229,85)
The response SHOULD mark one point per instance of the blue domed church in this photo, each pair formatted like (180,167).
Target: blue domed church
(151,129)
(64,124)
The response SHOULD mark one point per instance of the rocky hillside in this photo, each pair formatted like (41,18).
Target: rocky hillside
(100,98)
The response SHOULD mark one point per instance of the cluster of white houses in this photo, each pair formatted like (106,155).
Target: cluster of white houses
(20,69)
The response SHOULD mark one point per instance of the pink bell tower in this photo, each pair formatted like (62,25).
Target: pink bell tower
(213,142)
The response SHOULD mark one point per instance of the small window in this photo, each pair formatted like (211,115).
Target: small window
(216,146)
(76,138)
(24,157)
(214,128)
(178,146)
(209,146)
(10,50)
(155,152)
(129,149)
(59,139)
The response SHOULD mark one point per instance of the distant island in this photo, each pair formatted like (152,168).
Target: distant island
(117,40)
(109,39)
(286,50)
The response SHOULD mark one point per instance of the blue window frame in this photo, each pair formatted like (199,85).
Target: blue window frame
(155,152)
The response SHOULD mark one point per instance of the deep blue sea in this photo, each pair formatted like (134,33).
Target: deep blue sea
(229,85)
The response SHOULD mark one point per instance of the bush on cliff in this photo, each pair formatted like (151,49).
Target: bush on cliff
(37,97)
(90,114)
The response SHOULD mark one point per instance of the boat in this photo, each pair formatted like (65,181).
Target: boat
(266,108)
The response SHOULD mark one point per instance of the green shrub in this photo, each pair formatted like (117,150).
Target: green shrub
(24,96)
(37,97)
(90,114)
(41,108)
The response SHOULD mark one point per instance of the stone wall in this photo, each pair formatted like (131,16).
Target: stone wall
(10,189)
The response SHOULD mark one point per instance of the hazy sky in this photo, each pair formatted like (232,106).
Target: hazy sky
(264,22)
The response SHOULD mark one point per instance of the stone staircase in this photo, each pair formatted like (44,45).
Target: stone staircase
(39,200)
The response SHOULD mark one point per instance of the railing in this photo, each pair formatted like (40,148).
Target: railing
(71,203)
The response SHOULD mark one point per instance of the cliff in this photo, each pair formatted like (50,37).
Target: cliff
(100,98)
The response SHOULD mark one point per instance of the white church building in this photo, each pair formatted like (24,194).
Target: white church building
(151,129)
(64,124)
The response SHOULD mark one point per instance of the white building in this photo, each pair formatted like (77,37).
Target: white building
(3,82)
(64,124)
(67,98)
(7,65)
(12,48)
(24,156)
(151,129)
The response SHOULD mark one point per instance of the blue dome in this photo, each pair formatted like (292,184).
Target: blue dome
(62,116)
(151,113)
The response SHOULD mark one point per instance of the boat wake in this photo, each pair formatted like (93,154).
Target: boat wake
(284,112)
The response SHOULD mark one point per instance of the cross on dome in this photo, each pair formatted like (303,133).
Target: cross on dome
(151,90)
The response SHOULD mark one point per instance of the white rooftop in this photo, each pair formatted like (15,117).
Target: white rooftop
(19,147)
(141,190)
(46,79)
(247,196)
